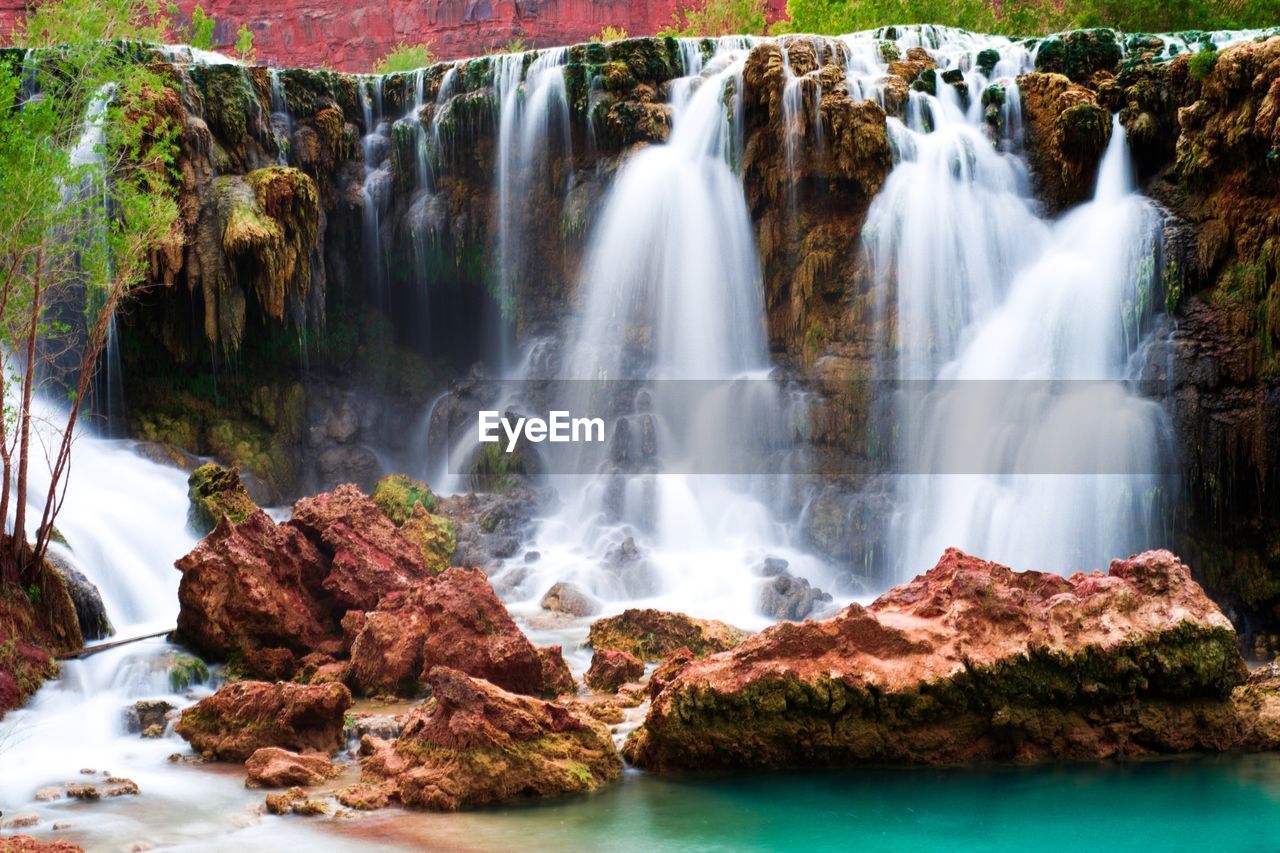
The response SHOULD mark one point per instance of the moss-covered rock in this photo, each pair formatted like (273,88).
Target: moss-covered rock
(651,635)
(1067,133)
(1080,54)
(217,493)
(397,494)
(435,537)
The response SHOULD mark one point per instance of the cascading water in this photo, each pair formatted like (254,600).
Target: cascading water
(671,292)
(981,292)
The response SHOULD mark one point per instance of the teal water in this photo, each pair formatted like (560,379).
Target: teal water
(1219,803)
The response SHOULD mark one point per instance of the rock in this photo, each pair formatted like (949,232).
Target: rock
(1079,54)
(610,669)
(246,716)
(1067,133)
(45,795)
(118,786)
(565,597)
(20,821)
(473,743)
(83,791)
(217,493)
(91,613)
(669,669)
(253,585)
(396,495)
(452,620)
(651,635)
(626,563)
(186,671)
(294,801)
(969,662)
(772,567)
(145,714)
(272,767)
(364,797)
(27,844)
(381,726)
(557,679)
(434,536)
(371,558)
(787,597)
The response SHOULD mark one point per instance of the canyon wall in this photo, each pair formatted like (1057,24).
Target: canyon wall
(353,36)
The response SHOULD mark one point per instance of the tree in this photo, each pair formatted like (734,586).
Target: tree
(86,154)
(405,57)
(200,33)
(244,43)
(719,18)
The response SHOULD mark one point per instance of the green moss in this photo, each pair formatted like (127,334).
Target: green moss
(396,495)
(216,493)
(1201,64)
(987,60)
(186,671)
(1079,54)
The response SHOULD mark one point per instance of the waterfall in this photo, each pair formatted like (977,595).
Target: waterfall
(671,294)
(1009,337)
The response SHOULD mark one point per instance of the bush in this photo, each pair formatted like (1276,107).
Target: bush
(405,57)
(609,34)
(719,18)
(1200,65)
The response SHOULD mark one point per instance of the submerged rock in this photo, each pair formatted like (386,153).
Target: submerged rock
(273,767)
(971,661)
(651,635)
(453,620)
(473,743)
(244,717)
(610,669)
(569,598)
(146,716)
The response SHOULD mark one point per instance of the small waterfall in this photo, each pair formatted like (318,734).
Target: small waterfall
(533,125)
(1009,336)
(376,188)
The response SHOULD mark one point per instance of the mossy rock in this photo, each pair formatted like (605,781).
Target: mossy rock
(652,635)
(217,493)
(187,671)
(987,60)
(1080,54)
(434,537)
(397,495)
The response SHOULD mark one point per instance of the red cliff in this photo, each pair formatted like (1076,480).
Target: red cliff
(350,36)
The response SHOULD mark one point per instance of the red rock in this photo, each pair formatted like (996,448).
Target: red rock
(252,585)
(610,669)
(473,743)
(557,679)
(970,661)
(369,556)
(651,635)
(453,619)
(273,767)
(673,666)
(27,844)
(244,717)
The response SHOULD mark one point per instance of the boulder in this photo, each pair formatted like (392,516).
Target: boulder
(610,669)
(571,599)
(253,585)
(1080,54)
(241,718)
(273,767)
(1067,133)
(369,556)
(146,716)
(453,620)
(970,662)
(217,493)
(473,743)
(788,597)
(668,670)
(91,613)
(557,678)
(651,635)
(397,495)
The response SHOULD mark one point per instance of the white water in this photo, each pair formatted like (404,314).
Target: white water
(671,290)
(982,291)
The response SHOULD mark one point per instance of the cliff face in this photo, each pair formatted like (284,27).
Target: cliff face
(333,271)
(352,36)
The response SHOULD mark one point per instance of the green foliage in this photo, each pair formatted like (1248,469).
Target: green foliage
(1029,17)
(244,43)
(396,495)
(86,174)
(609,34)
(516,45)
(405,57)
(719,18)
(1200,65)
(200,32)
(33,593)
